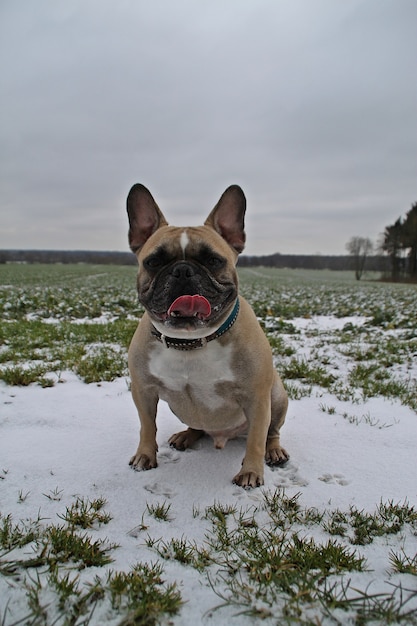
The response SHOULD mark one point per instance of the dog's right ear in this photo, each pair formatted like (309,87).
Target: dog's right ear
(145,217)
(228,217)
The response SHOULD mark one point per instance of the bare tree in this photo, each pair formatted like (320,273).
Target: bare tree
(359,248)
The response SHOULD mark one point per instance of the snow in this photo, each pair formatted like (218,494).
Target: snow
(326,322)
(77,439)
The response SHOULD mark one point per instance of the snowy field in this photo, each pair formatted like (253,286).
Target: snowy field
(346,500)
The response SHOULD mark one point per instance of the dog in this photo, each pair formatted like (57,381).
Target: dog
(199,345)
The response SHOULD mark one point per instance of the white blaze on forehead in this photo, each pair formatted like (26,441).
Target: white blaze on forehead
(184,241)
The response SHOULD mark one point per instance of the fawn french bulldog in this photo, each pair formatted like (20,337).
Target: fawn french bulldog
(199,345)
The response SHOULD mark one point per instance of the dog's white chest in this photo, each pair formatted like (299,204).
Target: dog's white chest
(199,370)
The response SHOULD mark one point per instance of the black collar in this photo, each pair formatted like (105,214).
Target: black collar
(192,344)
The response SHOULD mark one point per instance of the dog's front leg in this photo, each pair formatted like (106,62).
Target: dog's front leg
(275,454)
(259,417)
(146,404)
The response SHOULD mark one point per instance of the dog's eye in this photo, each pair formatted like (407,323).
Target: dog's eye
(159,258)
(153,262)
(215,262)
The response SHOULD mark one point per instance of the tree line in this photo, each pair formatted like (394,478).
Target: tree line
(95,257)
(292,261)
(399,242)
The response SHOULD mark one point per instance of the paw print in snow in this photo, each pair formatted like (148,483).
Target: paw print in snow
(334,479)
(288,476)
(159,489)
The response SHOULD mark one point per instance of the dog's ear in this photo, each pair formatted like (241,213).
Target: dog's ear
(145,217)
(228,217)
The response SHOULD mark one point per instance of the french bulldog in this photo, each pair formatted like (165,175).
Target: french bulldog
(199,345)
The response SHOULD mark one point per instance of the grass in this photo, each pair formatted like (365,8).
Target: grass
(85,514)
(403,564)
(274,560)
(364,527)
(59,552)
(260,561)
(142,595)
(37,351)
(23,376)
(159,511)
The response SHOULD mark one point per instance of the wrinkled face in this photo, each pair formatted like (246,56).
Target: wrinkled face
(187,280)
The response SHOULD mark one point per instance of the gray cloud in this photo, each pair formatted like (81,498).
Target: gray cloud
(310,105)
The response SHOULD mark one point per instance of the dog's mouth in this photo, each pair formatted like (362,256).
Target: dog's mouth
(196,306)
(190,312)
(187,313)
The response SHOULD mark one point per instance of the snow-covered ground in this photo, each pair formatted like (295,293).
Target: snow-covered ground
(76,439)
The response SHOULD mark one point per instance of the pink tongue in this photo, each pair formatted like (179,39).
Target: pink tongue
(188,306)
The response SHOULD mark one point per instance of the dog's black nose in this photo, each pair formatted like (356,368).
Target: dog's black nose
(182,270)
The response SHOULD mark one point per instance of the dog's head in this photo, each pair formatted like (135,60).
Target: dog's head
(187,279)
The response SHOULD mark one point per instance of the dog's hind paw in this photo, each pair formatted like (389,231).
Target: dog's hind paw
(185,439)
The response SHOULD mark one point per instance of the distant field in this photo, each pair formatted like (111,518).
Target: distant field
(81,318)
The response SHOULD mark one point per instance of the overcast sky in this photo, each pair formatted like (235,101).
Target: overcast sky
(309,105)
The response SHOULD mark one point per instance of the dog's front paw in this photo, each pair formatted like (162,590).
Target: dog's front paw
(141,462)
(275,455)
(248,479)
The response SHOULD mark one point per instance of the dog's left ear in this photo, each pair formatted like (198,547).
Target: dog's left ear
(228,217)
(145,216)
